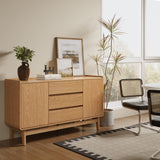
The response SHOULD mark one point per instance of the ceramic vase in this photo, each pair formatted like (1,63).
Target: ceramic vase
(108,119)
(23,71)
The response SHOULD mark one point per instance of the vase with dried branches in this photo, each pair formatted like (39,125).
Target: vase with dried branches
(107,59)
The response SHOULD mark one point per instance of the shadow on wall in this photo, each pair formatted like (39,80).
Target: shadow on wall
(53,62)
(3,127)
(2,54)
(4,130)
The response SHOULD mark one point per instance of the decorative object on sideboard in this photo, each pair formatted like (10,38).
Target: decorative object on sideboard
(49,70)
(48,76)
(72,48)
(24,54)
(65,67)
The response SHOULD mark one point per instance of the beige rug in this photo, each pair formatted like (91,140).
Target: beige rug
(118,144)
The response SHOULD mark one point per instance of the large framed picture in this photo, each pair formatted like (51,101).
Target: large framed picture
(72,48)
(64,67)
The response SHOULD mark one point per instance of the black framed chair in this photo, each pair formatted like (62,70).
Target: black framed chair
(131,92)
(154,113)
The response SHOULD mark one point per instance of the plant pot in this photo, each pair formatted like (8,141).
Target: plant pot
(107,119)
(23,71)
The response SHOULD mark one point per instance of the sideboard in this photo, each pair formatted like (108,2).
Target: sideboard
(37,106)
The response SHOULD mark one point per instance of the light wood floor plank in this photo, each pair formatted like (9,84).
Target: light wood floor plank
(40,146)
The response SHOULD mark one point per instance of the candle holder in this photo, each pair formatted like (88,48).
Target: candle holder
(49,70)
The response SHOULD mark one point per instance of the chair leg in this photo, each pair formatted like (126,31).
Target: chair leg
(150,127)
(153,157)
(139,124)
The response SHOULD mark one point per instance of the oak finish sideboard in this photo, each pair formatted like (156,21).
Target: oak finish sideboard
(37,106)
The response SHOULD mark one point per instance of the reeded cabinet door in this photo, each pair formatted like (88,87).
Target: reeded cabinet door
(34,104)
(92,98)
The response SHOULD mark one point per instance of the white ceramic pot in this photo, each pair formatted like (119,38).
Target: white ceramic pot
(107,119)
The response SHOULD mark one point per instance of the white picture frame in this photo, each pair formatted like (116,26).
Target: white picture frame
(65,67)
(72,48)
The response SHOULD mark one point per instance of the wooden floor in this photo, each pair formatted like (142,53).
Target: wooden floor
(40,146)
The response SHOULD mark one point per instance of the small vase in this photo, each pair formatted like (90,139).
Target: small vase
(23,71)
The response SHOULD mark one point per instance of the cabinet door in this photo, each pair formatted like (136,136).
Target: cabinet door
(93,98)
(34,105)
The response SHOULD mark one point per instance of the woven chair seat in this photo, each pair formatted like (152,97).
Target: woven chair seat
(136,105)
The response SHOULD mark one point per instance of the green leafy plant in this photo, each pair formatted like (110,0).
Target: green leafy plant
(24,54)
(108,54)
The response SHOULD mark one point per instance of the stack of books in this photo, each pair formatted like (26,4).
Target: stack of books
(48,76)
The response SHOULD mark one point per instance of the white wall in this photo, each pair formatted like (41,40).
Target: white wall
(35,24)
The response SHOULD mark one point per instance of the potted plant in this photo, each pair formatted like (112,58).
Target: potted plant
(108,54)
(25,55)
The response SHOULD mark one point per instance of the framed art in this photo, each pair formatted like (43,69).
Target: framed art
(64,67)
(72,48)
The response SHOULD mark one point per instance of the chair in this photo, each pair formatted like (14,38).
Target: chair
(129,90)
(154,112)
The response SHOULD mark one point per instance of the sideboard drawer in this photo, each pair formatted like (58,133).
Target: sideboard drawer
(65,115)
(62,87)
(63,101)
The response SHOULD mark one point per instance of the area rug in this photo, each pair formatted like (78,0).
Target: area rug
(117,144)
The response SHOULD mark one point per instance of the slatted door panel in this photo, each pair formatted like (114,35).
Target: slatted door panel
(34,105)
(93,98)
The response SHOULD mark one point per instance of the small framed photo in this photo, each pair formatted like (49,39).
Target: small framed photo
(64,67)
(72,48)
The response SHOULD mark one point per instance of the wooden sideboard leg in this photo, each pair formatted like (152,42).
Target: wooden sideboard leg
(98,124)
(11,133)
(23,134)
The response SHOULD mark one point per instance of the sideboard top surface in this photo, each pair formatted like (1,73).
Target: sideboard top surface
(34,80)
